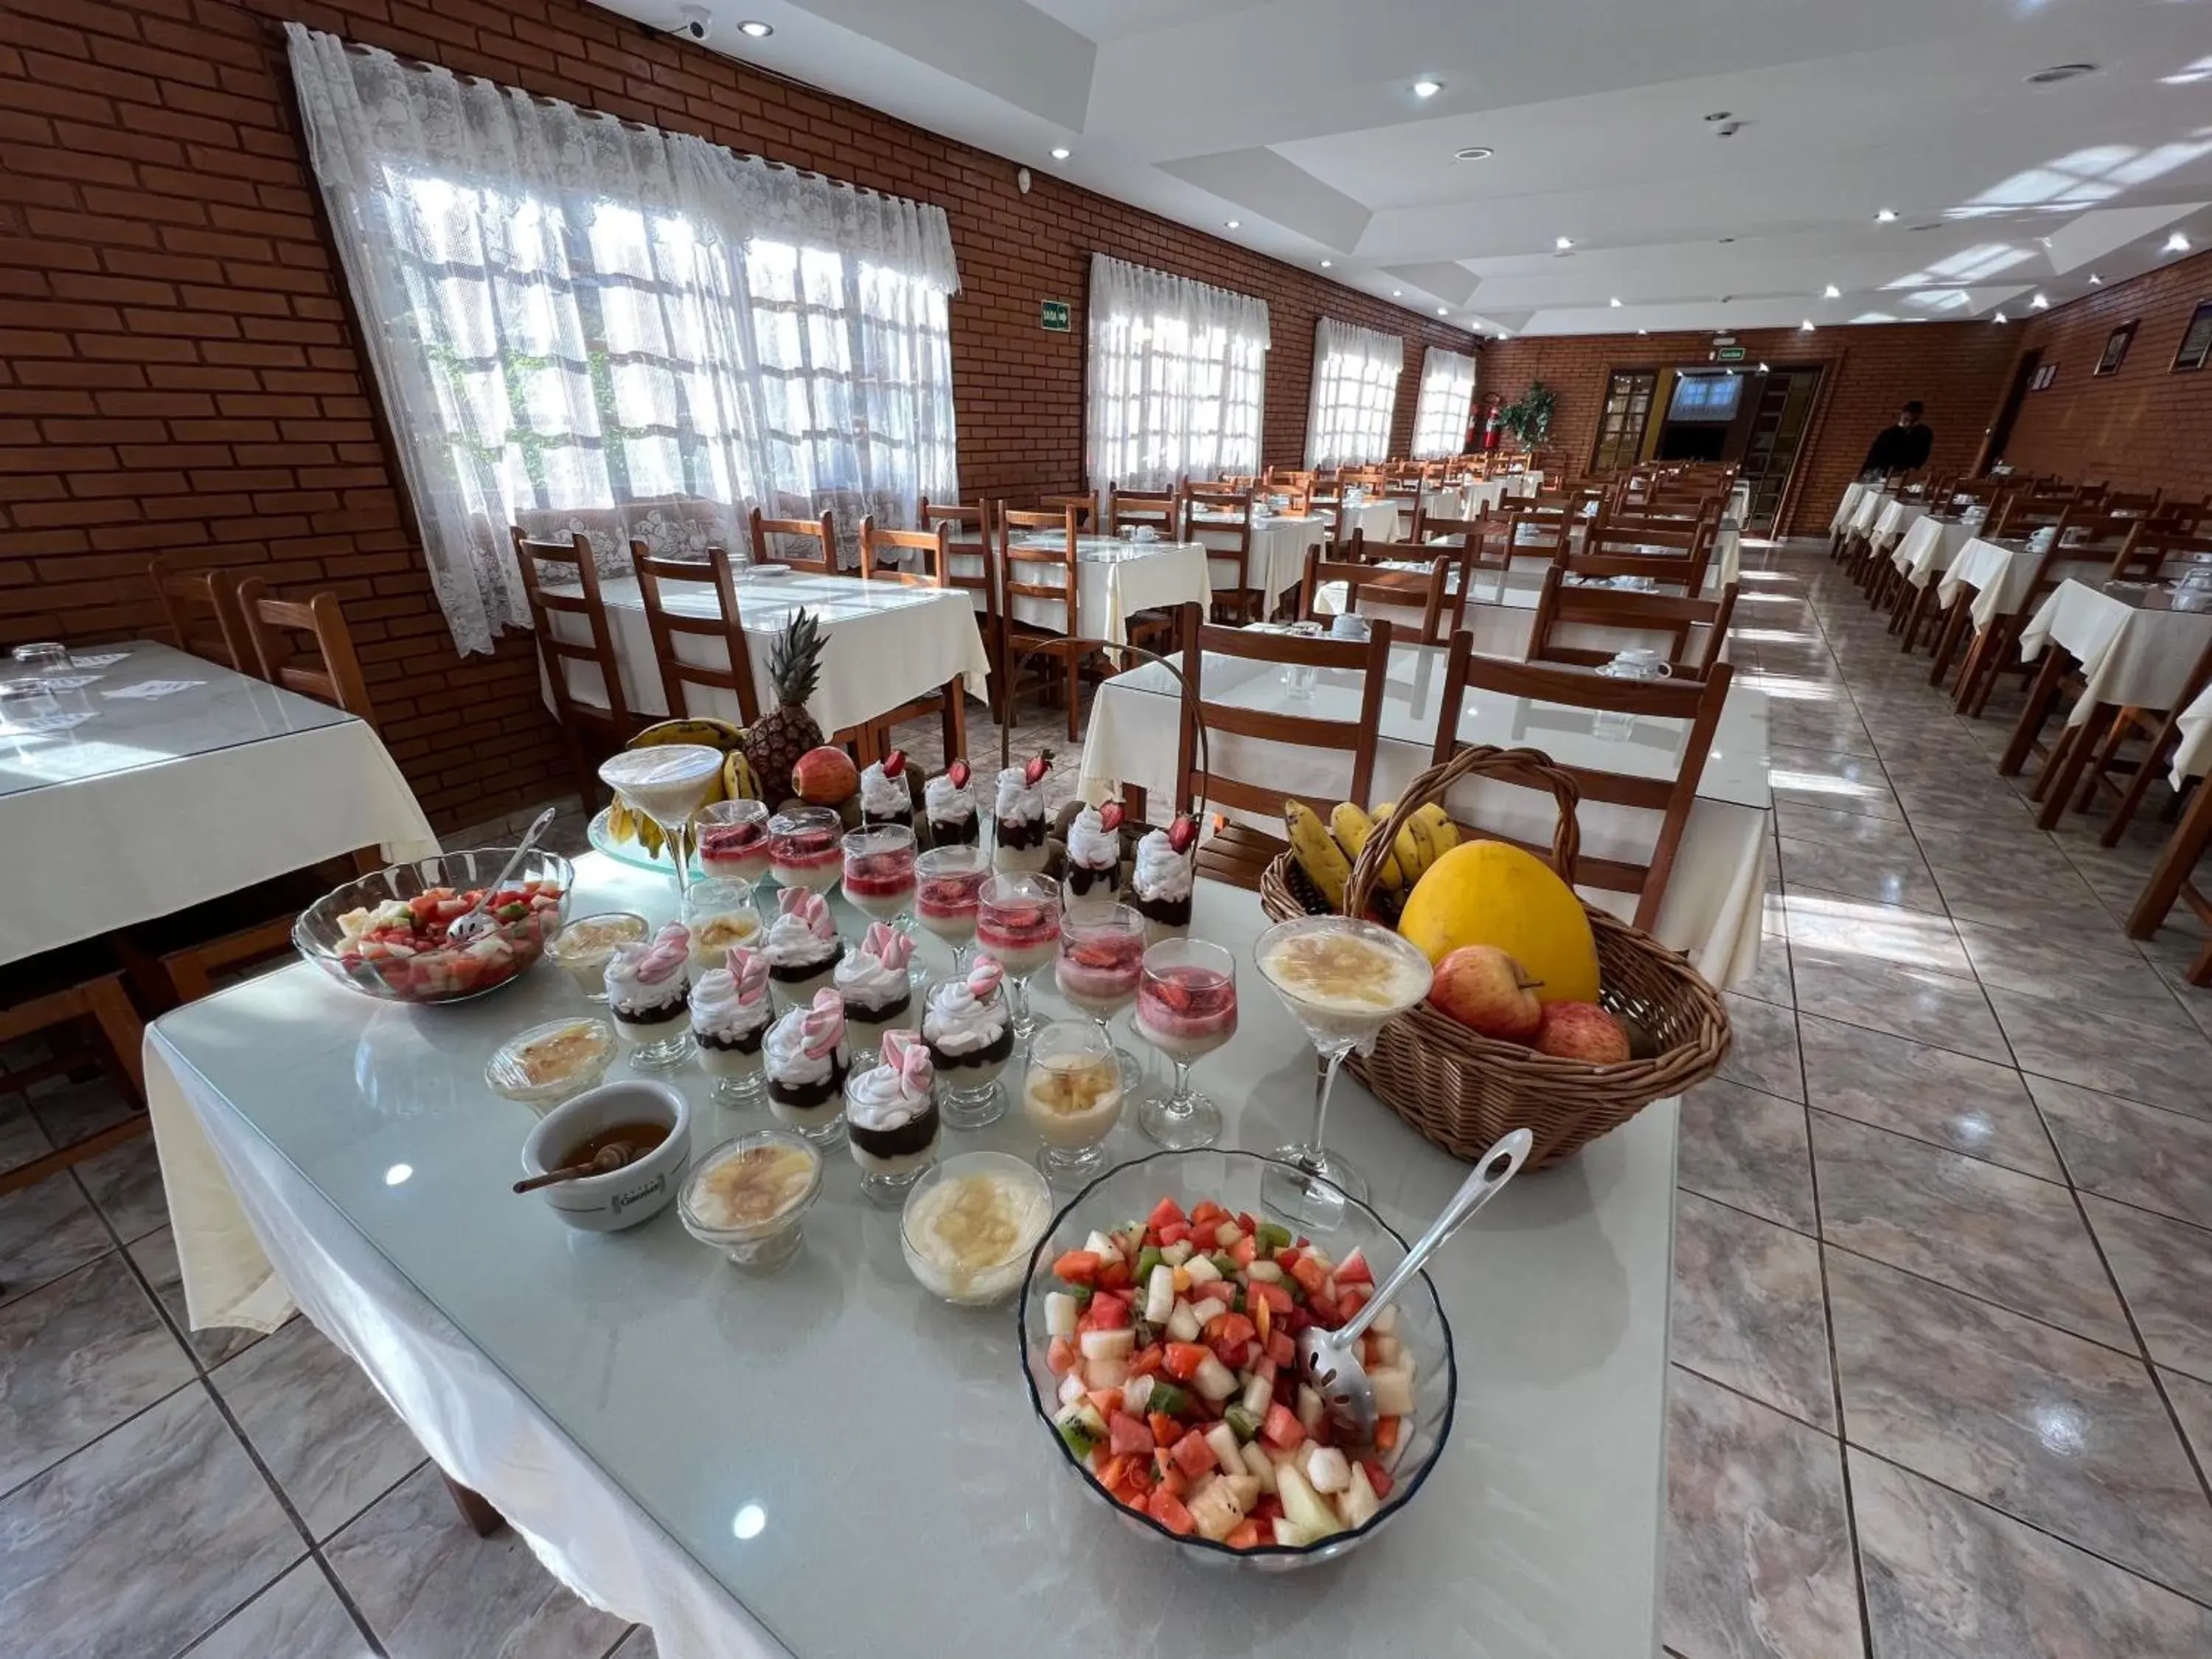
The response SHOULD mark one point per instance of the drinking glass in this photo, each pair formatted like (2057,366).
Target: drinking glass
(1017,927)
(1186,1008)
(44,657)
(667,782)
(1072,1098)
(1102,957)
(805,847)
(732,840)
(949,885)
(879,872)
(719,913)
(26,706)
(1341,978)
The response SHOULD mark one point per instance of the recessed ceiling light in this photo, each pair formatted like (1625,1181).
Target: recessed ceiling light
(1614,301)
(1325,264)
(1502,335)
(2095,281)
(1397,293)
(2000,317)
(1427,89)
(1884,215)
(1440,310)
(1805,327)
(2040,302)
(755,27)
(1719,115)
(1563,242)
(2058,72)
(1643,331)
(1060,152)
(2177,243)
(1832,292)
(1232,224)
(1762,369)
(1473,153)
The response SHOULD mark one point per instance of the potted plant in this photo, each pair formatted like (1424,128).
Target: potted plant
(1528,417)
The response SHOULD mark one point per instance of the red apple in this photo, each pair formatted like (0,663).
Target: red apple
(1582,1030)
(1488,991)
(825,776)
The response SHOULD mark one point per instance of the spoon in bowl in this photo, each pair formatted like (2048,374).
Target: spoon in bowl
(609,1158)
(1328,1361)
(475,922)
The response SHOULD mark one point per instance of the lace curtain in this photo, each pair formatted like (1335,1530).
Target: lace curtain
(581,325)
(1176,376)
(1355,392)
(1441,414)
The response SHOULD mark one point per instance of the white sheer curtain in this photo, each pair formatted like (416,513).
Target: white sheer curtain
(577,323)
(1176,377)
(1355,392)
(1447,395)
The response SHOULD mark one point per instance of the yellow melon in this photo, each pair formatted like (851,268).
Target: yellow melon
(1484,892)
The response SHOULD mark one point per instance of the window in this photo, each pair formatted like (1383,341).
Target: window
(1447,395)
(1705,397)
(1175,374)
(1355,392)
(1620,423)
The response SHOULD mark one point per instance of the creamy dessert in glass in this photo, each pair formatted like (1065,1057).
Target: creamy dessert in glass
(970,1029)
(970,1224)
(546,1063)
(584,947)
(1017,927)
(1101,958)
(748,1196)
(891,1118)
(949,888)
(1093,876)
(803,848)
(805,1063)
(721,913)
(730,1016)
(1161,883)
(879,871)
(948,805)
(1186,1008)
(1072,1097)
(1020,832)
(648,986)
(667,782)
(801,945)
(879,994)
(887,793)
(732,837)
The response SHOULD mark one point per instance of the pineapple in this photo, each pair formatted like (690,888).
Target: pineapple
(780,737)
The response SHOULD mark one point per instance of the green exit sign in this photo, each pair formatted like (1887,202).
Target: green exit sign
(1728,354)
(1053,314)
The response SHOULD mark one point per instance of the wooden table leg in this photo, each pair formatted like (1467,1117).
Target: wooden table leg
(2175,862)
(2040,697)
(482,1519)
(1955,624)
(2069,757)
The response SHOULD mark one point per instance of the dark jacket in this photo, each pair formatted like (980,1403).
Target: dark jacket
(1899,449)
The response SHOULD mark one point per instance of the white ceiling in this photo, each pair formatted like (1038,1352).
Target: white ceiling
(1297,117)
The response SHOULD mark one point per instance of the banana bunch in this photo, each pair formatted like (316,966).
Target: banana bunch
(625,825)
(738,782)
(1327,852)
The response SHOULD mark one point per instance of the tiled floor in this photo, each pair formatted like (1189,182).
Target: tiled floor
(1942,1326)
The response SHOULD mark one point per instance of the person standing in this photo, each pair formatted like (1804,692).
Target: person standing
(1902,447)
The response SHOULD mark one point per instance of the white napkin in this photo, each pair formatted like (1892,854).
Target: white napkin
(155,688)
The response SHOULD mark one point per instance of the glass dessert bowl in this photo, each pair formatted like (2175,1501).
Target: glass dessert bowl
(804,849)
(384,935)
(545,1065)
(588,943)
(747,1198)
(732,837)
(970,1224)
(1072,1097)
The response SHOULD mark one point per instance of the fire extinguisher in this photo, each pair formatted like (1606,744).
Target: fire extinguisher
(1494,430)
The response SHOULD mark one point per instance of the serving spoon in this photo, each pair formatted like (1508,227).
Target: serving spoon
(609,1158)
(1328,1361)
(475,922)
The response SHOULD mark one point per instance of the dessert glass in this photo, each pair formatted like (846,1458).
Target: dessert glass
(879,871)
(950,810)
(970,1224)
(949,886)
(748,1196)
(654,1019)
(1186,1008)
(543,1066)
(585,946)
(1017,927)
(719,913)
(1102,957)
(968,1077)
(812,1109)
(1341,978)
(862,971)
(667,782)
(1071,1098)
(892,1157)
(732,837)
(803,847)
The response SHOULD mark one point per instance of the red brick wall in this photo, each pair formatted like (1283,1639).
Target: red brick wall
(179,370)
(2141,426)
(1956,369)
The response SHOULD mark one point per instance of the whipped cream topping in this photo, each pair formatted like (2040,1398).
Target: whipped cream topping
(874,976)
(1090,843)
(1162,874)
(894,1093)
(962,1022)
(945,802)
(883,795)
(802,1047)
(648,975)
(732,1002)
(1016,798)
(802,932)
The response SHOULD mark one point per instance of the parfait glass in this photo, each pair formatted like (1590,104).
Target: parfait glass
(949,889)
(1102,957)
(667,782)
(1342,979)
(1072,1098)
(1186,1008)
(803,848)
(732,838)
(1017,927)
(719,913)
(879,872)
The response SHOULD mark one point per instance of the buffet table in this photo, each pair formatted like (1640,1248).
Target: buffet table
(830,1462)
(174,780)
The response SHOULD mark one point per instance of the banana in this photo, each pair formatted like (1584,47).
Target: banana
(619,822)
(1352,827)
(1410,853)
(1444,834)
(738,783)
(1319,856)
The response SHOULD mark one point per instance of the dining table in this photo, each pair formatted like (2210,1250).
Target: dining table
(1275,560)
(888,642)
(832,1462)
(1712,906)
(162,780)
(1929,546)
(1115,578)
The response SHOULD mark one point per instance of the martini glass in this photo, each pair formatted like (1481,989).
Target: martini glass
(667,782)
(1342,979)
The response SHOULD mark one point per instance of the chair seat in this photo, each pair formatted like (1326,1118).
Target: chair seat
(1239,855)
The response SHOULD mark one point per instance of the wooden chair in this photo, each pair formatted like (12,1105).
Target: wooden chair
(2163,731)
(2172,878)
(1430,592)
(1051,577)
(1086,507)
(324,667)
(717,577)
(200,603)
(45,993)
(1220,520)
(1160,508)
(2149,548)
(880,561)
(1666,619)
(1698,703)
(1664,570)
(971,564)
(1238,854)
(797,536)
(1993,654)
(608,721)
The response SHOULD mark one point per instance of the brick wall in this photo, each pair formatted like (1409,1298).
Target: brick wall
(178,369)
(1956,369)
(2141,426)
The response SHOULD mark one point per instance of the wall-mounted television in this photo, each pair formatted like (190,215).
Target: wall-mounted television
(1705,397)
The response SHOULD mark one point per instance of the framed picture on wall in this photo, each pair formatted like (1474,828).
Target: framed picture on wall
(2196,339)
(2116,348)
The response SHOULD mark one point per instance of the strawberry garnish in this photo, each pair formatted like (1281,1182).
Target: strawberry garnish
(895,762)
(1033,774)
(1182,834)
(959,773)
(1111,814)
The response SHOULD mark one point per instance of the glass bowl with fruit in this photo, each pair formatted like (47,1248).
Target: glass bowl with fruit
(1158,1328)
(385,934)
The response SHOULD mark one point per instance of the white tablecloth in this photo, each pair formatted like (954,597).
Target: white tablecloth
(1928,548)
(1871,505)
(1894,520)
(2134,656)
(155,804)
(1276,563)
(2193,759)
(887,644)
(2001,572)
(1115,579)
(1847,508)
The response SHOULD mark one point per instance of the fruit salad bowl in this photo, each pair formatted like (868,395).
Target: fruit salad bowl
(1126,1196)
(384,934)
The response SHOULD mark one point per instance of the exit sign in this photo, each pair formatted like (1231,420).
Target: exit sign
(1053,314)
(1728,354)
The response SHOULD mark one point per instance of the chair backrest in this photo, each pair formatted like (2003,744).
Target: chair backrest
(1160,508)
(1040,573)
(531,558)
(2131,504)
(1464,534)
(1688,544)
(200,603)
(1697,703)
(304,645)
(1356,739)
(880,551)
(715,578)
(968,540)
(1666,619)
(1666,570)
(1086,506)
(809,544)
(2149,548)
(1430,592)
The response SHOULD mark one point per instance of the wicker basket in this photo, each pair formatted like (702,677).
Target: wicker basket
(1463,1090)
